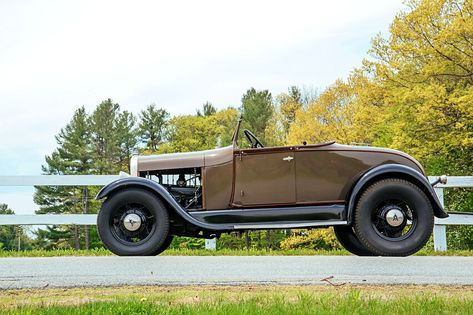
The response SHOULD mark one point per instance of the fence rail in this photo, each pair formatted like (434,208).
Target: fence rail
(440,235)
(48,219)
(59,180)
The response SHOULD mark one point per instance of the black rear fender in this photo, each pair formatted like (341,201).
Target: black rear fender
(393,171)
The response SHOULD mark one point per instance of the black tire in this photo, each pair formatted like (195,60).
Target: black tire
(123,242)
(346,236)
(371,224)
(165,245)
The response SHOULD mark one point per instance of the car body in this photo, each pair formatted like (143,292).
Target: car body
(206,193)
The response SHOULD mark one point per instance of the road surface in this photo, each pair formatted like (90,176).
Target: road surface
(231,270)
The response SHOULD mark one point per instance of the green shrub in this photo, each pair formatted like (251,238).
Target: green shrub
(313,239)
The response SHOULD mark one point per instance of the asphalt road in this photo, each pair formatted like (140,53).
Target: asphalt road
(231,270)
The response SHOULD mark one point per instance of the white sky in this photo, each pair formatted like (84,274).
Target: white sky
(58,55)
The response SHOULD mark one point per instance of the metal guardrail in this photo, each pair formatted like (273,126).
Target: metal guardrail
(440,234)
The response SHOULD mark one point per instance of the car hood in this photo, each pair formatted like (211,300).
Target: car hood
(180,160)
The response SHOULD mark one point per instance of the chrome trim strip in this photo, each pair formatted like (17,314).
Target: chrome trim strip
(288,225)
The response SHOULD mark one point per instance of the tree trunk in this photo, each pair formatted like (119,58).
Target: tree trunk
(247,240)
(19,237)
(85,200)
(76,237)
(268,239)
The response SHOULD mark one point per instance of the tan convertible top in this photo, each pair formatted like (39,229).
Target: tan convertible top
(180,160)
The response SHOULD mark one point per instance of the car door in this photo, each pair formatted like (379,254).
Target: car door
(264,177)
(323,175)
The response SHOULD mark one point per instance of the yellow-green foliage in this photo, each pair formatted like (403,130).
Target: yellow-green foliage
(188,133)
(345,112)
(426,67)
(415,93)
(314,239)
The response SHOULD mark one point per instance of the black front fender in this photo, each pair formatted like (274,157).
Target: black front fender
(394,171)
(127,182)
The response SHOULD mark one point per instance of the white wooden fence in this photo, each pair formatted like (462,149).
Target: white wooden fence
(440,236)
(440,227)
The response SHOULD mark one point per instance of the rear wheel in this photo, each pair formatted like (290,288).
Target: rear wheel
(393,217)
(346,236)
(134,222)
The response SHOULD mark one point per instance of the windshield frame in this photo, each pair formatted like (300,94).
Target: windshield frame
(236,132)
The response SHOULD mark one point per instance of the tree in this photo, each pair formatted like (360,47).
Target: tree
(12,237)
(153,126)
(207,110)
(101,143)
(225,121)
(287,106)
(330,117)
(191,133)
(74,146)
(257,110)
(105,145)
(72,157)
(426,69)
(126,136)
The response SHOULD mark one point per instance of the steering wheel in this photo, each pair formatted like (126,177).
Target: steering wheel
(254,141)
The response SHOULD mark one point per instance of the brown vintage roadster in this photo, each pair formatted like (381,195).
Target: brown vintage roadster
(379,201)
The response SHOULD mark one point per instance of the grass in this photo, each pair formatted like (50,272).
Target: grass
(345,299)
(174,252)
(220,252)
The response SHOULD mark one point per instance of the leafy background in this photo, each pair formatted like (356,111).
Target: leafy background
(413,93)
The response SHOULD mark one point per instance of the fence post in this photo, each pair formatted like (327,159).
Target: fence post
(440,230)
(211,244)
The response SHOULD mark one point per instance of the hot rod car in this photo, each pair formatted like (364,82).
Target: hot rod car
(379,201)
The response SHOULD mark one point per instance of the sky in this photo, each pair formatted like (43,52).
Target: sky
(58,55)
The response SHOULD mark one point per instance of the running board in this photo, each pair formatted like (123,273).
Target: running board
(287,225)
(273,218)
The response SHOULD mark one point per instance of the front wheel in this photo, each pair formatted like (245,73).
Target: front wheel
(164,246)
(134,222)
(393,217)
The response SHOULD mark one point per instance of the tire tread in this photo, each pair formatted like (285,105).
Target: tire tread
(357,215)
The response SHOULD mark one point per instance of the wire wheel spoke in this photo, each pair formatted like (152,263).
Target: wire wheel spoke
(132,224)
(391,217)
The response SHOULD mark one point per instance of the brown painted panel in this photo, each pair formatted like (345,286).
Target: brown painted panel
(218,181)
(323,175)
(266,178)
(184,159)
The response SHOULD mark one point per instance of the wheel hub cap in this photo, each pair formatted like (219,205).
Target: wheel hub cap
(132,222)
(395,217)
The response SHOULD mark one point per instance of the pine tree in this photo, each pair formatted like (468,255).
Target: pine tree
(105,150)
(12,237)
(126,137)
(207,110)
(257,109)
(72,157)
(153,126)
